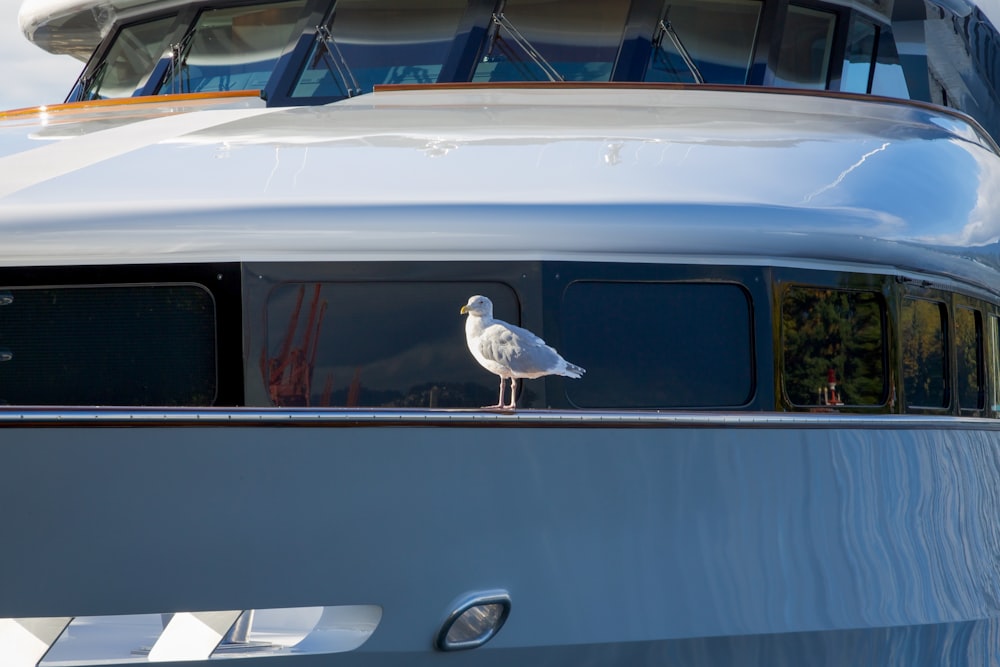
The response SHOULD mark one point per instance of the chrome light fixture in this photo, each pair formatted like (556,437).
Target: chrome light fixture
(474,621)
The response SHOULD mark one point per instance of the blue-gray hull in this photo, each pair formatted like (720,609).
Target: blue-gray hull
(704,539)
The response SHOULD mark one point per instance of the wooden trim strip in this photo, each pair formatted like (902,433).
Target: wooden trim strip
(72,107)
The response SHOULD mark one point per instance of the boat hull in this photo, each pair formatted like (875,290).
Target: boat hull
(748,539)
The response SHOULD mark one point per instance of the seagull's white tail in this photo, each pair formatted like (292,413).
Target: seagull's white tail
(573,371)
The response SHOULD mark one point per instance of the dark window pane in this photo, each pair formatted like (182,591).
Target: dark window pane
(576,40)
(130,60)
(858,56)
(717,35)
(924,369)
(374,42)
(234,48)
(378,345)
(658,345)
(834,347)
(109,345)
(968,350)
(806,45)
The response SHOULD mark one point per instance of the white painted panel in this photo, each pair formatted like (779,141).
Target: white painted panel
(192,636)
(24,641)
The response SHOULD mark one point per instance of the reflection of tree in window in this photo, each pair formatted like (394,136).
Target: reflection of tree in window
(922,329)
(968,344)
(833,347)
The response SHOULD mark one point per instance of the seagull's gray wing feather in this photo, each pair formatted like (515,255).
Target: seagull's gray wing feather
(517,349)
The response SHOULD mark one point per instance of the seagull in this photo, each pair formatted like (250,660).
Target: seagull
(510,351)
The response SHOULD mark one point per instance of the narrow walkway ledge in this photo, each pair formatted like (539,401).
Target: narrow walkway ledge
(357,417)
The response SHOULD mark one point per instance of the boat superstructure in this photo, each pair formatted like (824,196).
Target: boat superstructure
(238,417)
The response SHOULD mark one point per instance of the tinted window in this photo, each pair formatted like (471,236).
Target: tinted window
(834,347)
(378,345)
(373,42)
(650,345)
(541,40)
(969,357)
(858,55)
(806,44)
(922,327)
(129,61)
(108,345)
(234,48)
(714,38)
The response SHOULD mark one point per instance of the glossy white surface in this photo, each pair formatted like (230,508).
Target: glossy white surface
(473,173)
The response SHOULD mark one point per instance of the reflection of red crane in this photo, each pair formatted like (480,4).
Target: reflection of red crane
(289,374)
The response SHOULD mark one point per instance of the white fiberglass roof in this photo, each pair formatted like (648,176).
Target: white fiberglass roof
(75,27)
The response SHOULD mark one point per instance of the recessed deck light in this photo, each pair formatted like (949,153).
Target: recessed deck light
(474,621)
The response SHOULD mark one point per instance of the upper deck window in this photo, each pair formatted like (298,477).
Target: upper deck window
(233,48)
(806,47)
(859,56)
(553,40)
(366,43)
(129,61)
(834,347)
(659,345)
(705,41)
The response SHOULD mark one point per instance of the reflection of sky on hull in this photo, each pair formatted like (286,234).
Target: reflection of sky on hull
(878,170)
(931,187)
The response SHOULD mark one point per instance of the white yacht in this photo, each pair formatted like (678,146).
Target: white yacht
(239,420)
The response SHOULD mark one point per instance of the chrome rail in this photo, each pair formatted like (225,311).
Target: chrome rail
(355,417)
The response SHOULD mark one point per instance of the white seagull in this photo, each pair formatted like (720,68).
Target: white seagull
(510,351)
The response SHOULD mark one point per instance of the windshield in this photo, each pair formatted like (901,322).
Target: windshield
(365,43)
(234,48)
(554,40)
(129,61)
(705,41)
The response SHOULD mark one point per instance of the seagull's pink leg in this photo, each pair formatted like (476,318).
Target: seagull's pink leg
(499,403)
(513,395)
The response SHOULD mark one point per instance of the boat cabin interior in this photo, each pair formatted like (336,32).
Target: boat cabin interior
(304,52)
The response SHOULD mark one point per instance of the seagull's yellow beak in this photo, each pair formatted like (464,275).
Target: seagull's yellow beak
(464,310)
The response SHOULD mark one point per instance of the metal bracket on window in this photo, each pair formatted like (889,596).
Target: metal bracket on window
(531,51)
(665,27)
(338,61)
(178,64)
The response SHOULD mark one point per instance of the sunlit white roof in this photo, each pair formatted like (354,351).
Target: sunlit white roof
(75,27)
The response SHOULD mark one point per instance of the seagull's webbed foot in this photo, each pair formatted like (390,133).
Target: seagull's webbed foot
(499,404)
